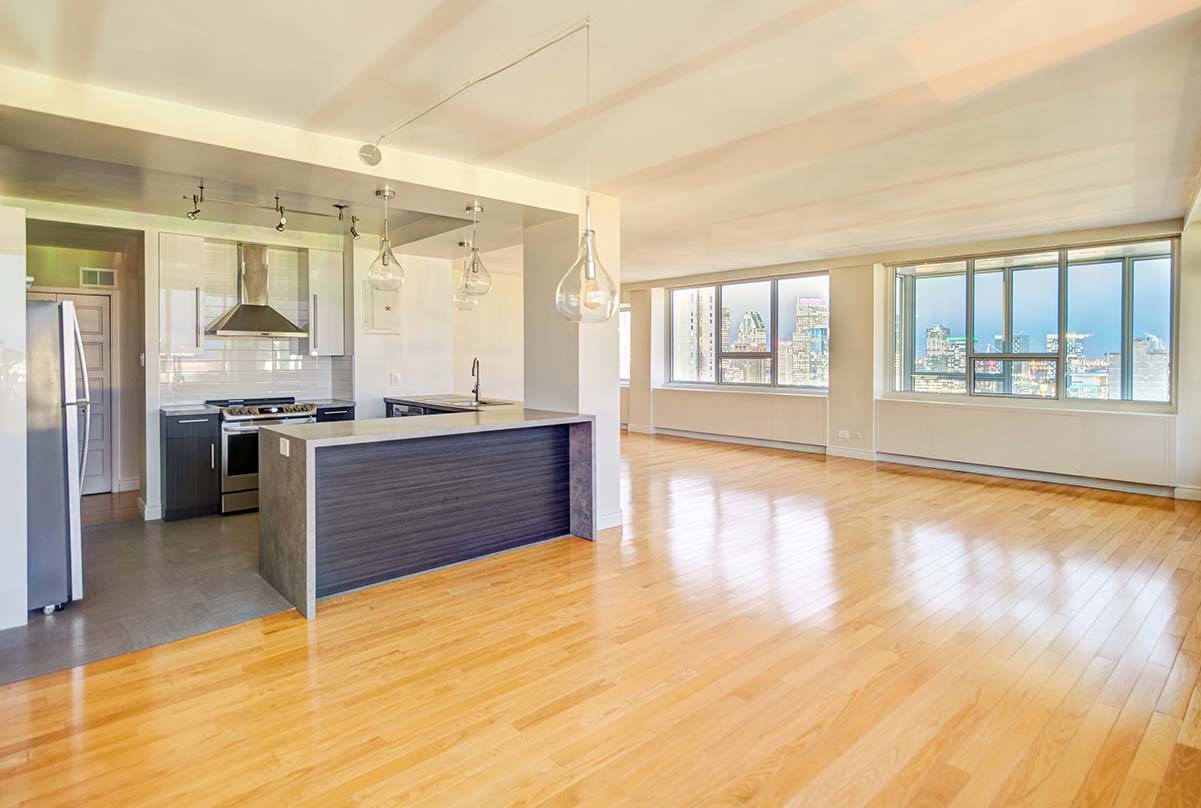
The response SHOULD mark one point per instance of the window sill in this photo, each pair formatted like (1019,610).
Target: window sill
(1054,405)
(812,392)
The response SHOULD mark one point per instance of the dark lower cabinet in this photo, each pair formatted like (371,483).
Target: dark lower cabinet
(191,465)
(345,413)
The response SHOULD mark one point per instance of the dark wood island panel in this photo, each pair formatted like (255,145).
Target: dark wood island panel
(386,510)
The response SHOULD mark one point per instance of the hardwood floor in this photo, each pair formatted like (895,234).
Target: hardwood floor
(770,628)
(105,509)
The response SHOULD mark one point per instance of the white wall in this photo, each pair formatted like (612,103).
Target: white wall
(422,354)
(14,597)
(758,415)
(1188,345)
(493,332)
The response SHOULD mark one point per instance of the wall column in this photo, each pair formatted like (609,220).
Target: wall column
(641,416)
(14,580)
(1188,347)
(571,366)
(851,404)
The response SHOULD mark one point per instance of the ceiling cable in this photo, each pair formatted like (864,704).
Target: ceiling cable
(370,154)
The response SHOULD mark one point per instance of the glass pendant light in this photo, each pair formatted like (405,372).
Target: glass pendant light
(386,274)
(463,300)
(587,294)
(477,280)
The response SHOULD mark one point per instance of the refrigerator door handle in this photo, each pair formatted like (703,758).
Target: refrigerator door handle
(84,403)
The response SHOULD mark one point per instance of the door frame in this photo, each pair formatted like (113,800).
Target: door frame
(114,357)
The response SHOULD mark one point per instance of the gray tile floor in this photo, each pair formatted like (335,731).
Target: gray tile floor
(147,583)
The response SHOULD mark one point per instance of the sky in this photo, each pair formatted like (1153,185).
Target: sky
(1094,304)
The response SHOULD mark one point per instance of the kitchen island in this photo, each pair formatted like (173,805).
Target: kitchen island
(352,504)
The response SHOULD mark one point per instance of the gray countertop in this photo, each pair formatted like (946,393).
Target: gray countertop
(189,409)
(338,433)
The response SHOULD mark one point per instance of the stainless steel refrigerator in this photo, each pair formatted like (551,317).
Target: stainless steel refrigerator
(58,399)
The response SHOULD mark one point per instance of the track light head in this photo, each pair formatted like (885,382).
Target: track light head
(354,233)
(195,211)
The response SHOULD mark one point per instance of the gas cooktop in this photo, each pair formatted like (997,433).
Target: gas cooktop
(249,409)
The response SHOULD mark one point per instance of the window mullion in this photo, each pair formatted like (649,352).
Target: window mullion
(1127,357)
(773,336)
(969,348)
(1007,327)
(1061,365)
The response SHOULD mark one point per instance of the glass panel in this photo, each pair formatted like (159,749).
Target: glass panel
(623,344)
(1094,331)
(1042,259)
(1035,314)
(803,327)
(939,321)
(1094,255)
(745,309)
(1152,330)
(692,335)
(1017,377)
(242,454)
(745,370)
(988,315)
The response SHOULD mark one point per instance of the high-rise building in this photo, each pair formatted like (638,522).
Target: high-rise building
(1149,370)
(752,332)
(692,359)
(938,349)
(810,354)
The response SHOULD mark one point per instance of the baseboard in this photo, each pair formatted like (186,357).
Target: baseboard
(605,521)
(1187,492)
(854,454)
(149,513)
(1034,476)
(128,484)
(639,428)
(765,444)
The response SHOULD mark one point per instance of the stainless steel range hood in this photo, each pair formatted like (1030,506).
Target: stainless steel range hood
(252,317)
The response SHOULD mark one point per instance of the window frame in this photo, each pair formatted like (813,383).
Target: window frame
(624,308)
(772,354)
(904,285)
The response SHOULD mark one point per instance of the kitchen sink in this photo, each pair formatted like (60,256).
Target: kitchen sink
(465,402)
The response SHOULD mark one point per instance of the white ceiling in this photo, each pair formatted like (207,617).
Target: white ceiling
(736,134)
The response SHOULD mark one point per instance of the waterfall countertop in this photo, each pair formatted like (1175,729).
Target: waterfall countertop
(338,433)
(345,505)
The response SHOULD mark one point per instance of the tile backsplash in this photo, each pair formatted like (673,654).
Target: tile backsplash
(246,367)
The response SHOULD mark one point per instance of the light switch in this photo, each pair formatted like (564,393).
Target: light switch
(394,379)
(844,433)
(285,447)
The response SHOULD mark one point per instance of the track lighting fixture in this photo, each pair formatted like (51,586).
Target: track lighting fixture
(386,274)
(196,200)
(354,220)
(283,220)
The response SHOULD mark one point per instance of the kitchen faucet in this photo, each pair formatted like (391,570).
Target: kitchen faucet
(475,374)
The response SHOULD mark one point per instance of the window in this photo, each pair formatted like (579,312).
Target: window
(1081,323)
(773,332)
(623,343)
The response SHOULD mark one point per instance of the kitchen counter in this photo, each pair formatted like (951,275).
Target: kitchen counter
(174,410)
(351,504)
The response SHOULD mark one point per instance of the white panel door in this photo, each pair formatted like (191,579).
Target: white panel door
(95,324)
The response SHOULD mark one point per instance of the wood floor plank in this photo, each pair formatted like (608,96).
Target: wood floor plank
(767,628)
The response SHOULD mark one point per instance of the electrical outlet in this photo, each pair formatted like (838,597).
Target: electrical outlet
(843,433)
(285,447)
(856,435)
(394,379)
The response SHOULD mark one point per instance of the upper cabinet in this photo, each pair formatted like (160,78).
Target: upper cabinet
(327,315)
(181,269)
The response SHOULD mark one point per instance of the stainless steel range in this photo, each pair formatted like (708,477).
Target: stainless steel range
(240,422)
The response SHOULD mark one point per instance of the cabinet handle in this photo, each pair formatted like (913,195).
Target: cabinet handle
(199,319)
(212,455)
(313,325)
(333,412)
(193,421)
